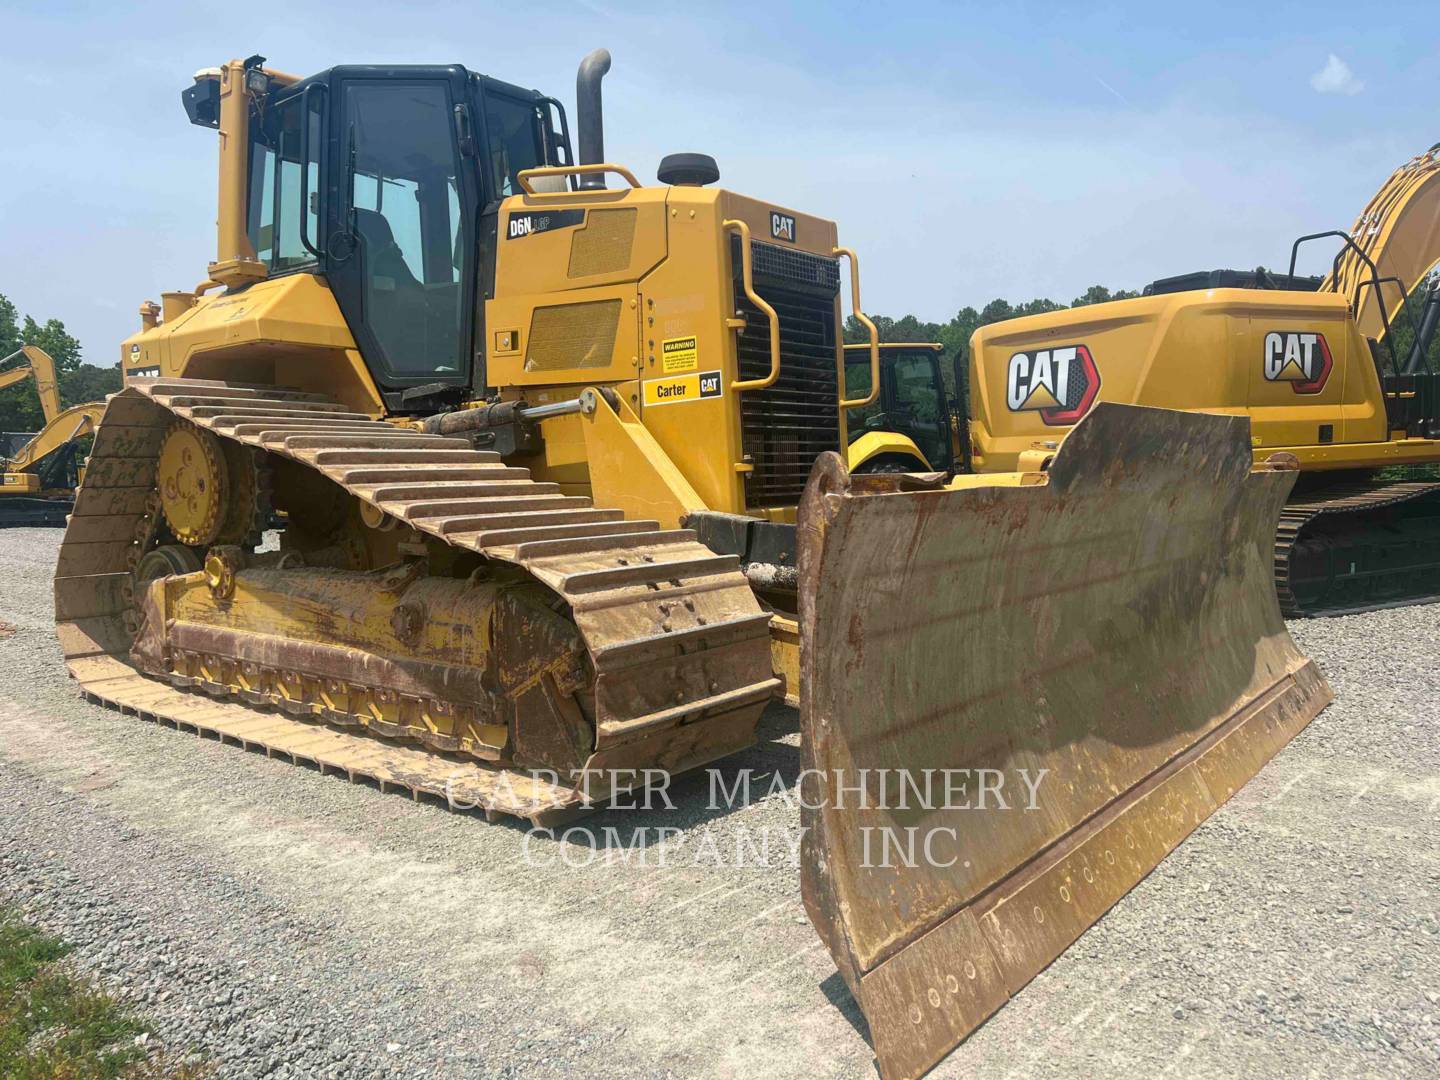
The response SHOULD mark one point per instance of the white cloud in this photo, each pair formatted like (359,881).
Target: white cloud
(1336,78)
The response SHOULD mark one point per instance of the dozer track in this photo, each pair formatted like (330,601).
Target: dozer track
(1358,546)
(677,646)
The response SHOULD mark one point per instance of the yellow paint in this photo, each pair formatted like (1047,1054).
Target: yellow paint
(1231,351)
(873,444)
(630,471)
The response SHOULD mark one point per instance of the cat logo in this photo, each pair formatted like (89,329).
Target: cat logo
(1061,383)
(782,226)
(1302,360)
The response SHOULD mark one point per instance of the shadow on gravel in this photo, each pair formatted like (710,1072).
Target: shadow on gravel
(838,994)
(767,771)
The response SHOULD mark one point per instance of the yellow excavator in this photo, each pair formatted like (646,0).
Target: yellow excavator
(564,508)
(1312,362)
(38,479)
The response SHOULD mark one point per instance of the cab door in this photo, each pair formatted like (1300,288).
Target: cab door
(402,247)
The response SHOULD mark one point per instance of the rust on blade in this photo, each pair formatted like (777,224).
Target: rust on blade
(1015,701)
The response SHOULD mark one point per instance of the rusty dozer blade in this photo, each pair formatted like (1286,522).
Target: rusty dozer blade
(1109,638)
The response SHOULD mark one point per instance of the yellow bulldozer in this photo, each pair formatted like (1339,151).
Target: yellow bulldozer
(38,478)
(564,508)
(1312,362)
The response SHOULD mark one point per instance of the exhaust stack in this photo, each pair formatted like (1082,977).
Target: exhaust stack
(589,115)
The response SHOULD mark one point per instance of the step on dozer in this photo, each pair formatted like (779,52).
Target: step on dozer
(1017,700)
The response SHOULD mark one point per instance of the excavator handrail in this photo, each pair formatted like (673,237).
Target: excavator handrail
(524,177)
(864,320)
(1375,279)
(747,282)
(1376,283)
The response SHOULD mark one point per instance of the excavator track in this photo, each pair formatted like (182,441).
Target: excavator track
(678,645)
(18,512)
(1358,546)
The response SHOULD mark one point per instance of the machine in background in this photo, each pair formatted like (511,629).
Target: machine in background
(38,477)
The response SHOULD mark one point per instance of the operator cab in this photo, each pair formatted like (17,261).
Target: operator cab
(912,399)
(387,180)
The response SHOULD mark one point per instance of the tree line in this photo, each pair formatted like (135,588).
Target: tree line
(79,382)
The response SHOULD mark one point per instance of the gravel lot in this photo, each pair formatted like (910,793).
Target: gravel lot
(292,925)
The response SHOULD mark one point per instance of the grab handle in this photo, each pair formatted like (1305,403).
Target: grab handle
(864,320)
(524,177)
(747,279)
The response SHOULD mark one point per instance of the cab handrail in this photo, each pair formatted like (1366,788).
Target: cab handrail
(524,177)
(864,321)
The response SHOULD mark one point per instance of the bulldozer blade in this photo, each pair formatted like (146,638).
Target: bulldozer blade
(1016,701)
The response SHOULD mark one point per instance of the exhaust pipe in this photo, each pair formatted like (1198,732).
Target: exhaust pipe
(589,115)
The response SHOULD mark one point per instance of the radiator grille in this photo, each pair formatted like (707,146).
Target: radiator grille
(786,426)
(573,336)
(603,245)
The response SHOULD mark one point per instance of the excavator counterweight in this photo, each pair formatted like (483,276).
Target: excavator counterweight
(1312,362)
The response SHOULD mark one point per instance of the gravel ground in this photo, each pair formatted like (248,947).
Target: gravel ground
(286,924)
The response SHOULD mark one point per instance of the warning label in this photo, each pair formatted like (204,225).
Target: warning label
(682,388)
(679,354)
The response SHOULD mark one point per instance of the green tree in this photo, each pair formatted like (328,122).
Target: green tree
(53,338)
(1405,321)
(1099,294)
(88,383)
(9,327)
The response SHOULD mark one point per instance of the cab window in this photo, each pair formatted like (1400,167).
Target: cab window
(917,405)
(514,141)
(857,385)
(276,189)
(406,207)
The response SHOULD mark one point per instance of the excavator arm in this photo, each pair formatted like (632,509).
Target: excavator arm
(1399,232)
(63,428)
(41,368)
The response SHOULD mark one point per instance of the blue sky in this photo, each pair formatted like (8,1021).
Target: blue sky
(968,151)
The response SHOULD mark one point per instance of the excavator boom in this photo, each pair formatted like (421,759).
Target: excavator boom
(1397,239)
(37,480)
(41,368)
